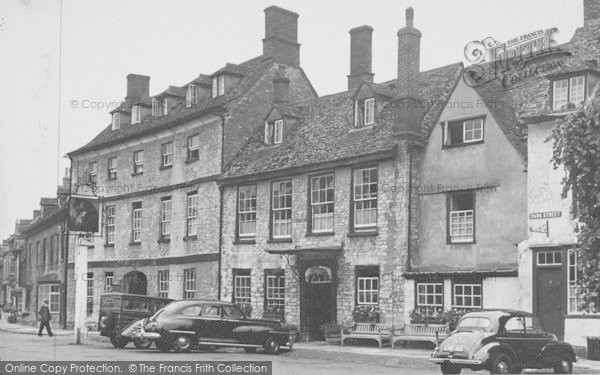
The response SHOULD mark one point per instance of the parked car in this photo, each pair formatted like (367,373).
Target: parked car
(120,310)
(503,342)
(184,325)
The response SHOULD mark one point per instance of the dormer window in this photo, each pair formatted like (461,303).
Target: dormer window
(191,97)
(568,92)
(218,86)
(364,112)
(463,132)
(136,115)
(116,121)
(165,106)
(274,132)
(156,107)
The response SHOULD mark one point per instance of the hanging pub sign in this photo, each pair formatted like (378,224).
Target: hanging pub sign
(84,214)
(317,275)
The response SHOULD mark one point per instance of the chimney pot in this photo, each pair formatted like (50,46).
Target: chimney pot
(361,52)
(410,15)
(138,86)
(281,36)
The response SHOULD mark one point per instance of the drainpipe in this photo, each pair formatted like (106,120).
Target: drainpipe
(410,193)
(221,189)
(65,238)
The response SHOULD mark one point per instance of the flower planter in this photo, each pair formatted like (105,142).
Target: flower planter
(333,339)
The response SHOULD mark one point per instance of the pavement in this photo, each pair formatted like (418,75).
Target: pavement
(318,350)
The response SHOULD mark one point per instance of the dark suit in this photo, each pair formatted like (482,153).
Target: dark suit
(45,320)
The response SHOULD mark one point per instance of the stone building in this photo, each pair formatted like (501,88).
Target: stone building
(549,268)
(45,250)
(13,289)
(317,205)
(156,167)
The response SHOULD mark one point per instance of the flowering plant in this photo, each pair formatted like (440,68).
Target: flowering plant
(438,316)
(365,314)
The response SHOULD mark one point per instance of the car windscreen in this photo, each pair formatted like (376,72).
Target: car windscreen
(474,323)
(166,311)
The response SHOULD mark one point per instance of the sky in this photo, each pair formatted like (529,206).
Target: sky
(56,88)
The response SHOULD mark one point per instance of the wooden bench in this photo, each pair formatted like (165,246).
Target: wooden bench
(370,331)
(420,332)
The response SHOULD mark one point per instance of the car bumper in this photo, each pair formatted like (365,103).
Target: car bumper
(457,361)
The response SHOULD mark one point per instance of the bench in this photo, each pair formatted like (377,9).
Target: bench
(420,332)
(370,331)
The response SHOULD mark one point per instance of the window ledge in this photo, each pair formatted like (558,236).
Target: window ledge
(280,240)
(319,234)
(164,240)
(135,243)
(190,238)
(163,167)
(371,233)
(464,144)
(188,161)
(461,243)
(109,245)
(137,174)
(244,242)
(582,316)
(366,127)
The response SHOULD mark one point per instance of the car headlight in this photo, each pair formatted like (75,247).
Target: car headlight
(103,321)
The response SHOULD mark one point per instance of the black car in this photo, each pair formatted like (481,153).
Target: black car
(184,325)
(120,310)
(503,342)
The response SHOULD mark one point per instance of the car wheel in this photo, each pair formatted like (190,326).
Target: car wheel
(272,345)
(501,364)
(449,368)
(118,342)
(564,366)
(250,350)
(142,343)
(182,344)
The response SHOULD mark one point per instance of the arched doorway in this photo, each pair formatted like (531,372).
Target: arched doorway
(135,282)
(319,297)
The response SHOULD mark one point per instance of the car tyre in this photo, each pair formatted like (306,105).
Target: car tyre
(142,343)
(250,350)
(118,341)
(182,344)
(563,366)
(272,346)
(449,368)
(501,363)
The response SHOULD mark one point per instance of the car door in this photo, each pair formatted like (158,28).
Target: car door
(210,327)
(514,335)
(536,339)
(189,320)
(233,320)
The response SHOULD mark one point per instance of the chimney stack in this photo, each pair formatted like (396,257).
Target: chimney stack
(281,87)
(138,86)
(591,12)
(281,36)
(361,50)
(409,45)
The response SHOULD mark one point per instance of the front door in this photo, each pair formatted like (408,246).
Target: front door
(549,288)
(319,299)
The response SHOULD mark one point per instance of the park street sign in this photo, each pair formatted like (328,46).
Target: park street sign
(545,215)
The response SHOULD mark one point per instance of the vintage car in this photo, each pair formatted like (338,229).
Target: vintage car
(503,342)
(120,310)
(184,325)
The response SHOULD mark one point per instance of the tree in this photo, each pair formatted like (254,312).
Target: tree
(577,150)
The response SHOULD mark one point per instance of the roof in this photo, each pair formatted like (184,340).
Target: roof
(325,131)
(253,68)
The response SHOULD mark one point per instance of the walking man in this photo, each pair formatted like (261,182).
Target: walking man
(45,319)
